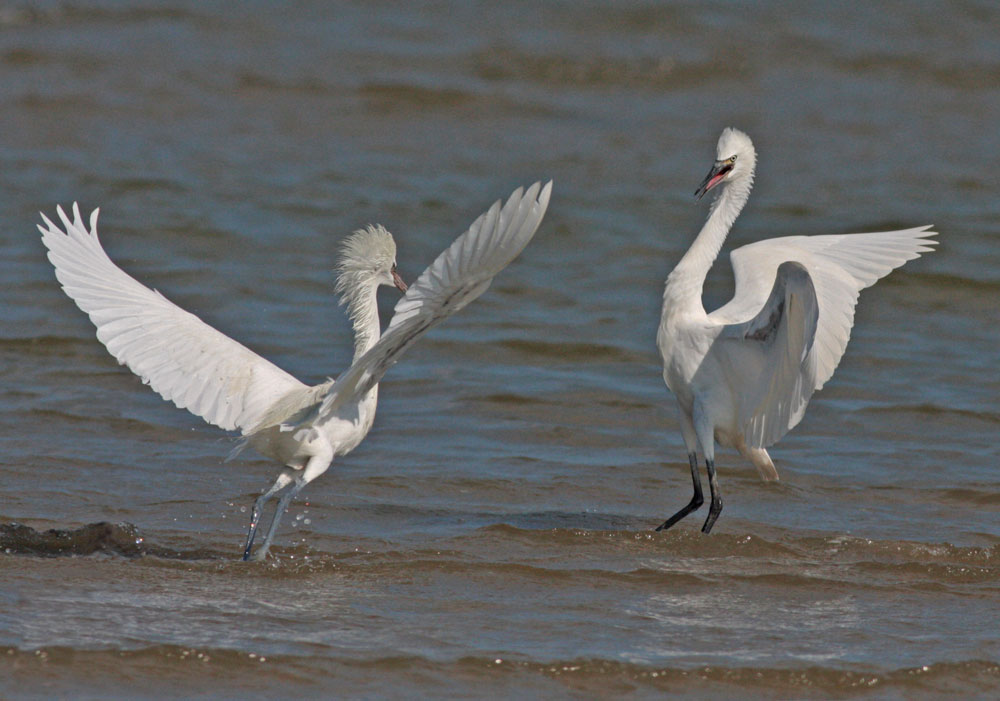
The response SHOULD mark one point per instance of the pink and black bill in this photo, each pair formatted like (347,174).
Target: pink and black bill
(397,280)
(714,177)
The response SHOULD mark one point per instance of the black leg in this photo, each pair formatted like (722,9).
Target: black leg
(696,500)
(715,508)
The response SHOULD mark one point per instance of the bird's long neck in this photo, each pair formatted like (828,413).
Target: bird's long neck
(362,308)
(686,281)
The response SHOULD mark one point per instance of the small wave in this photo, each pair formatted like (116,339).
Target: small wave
(21,57)
(111,538)
(117,538)
(904,550)
(82,670)
(573,352)
(21,14)
(678,542)
(954,283)
(47,344)
(928,409)
(395,95)
(612,675)
(126,185)
(649,72)
(382,95)
(526,550)
(557,403)
(309,85)
(785,561)
(81,416)
(509,398)
(968,675)
(989,495)
(963,76)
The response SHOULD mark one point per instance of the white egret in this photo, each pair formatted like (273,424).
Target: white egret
(742,375)
(199,369)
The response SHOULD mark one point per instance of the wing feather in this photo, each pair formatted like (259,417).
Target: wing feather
(769,355)
(459,275)
(840,266)
(181,357)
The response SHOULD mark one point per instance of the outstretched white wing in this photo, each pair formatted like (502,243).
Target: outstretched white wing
(455,278)
(840,266)
(767,359)
(181,357)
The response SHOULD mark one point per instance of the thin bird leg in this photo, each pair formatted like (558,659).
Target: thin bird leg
(696,500)
(283,480)
(279,511)
(715,508)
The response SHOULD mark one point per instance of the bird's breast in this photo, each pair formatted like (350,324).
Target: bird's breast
(346,430)
(684,345)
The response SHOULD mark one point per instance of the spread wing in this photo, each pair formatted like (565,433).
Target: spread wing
(459,275)
(840,266)
(768,361)
(181,357)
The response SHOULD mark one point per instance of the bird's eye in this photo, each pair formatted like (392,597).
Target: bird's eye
(732,159)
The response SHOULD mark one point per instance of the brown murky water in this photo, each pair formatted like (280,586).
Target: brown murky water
(492,537)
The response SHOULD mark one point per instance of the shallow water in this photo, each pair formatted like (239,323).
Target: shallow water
(493,534)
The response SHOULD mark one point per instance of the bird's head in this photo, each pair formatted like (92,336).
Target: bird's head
(368,256)
(735,160)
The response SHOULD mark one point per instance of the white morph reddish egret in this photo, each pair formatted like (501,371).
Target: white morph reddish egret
(743,374)
(199,369)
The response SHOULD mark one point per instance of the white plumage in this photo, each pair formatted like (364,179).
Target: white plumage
(743,374)
(200,369)
(181,357)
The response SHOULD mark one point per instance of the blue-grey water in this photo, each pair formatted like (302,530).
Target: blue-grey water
(493,535)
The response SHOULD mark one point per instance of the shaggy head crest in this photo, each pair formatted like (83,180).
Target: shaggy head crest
(367,255)
(369,249)
(367,260)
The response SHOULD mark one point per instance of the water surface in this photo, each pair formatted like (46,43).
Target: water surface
(493,534)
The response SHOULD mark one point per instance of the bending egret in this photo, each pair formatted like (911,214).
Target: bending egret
(223,382)
(743,374)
